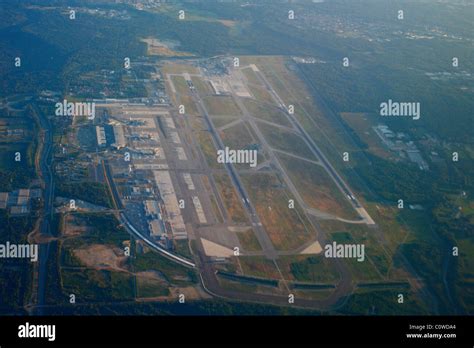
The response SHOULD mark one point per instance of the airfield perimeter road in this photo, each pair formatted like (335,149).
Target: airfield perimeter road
(212,286)
(208,274)
(345,286)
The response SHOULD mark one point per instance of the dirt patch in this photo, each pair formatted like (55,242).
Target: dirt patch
(100,256)
(216,250)
(159,48)
(150,275)
(73,228)
(314,248)
(190,293)
(227,22)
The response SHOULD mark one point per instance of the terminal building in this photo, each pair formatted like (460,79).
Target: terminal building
(100,134)
(157,229)
(151,208)
(119,137)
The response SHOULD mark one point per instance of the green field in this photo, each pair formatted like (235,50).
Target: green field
(181,247)
(182,95)
(221,106)
(262,95)
(96,286)
(317,188)
(266,112)
(362,124)
(237,137)
(209,150)
(151,288)
(378,263)
(230,198)
(242,137)
(309,269)
(203,87)
(383,302)
(92,192)
(258,266)
(251,77)
(287,228)
(285,141)
(248,240)
(171,271)
(221,121)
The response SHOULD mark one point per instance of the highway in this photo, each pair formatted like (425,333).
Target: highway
(110,182)
(47,179)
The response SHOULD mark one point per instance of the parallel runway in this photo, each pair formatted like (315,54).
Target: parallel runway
(264,240)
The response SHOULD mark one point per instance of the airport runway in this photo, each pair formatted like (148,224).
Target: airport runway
(341,184)
(205,265)
(264,240)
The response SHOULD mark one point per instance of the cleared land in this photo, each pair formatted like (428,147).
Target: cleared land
(149,284)
(156,47)
(171,272)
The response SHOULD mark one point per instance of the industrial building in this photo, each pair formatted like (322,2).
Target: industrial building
(151,208)
(157,228)
(3,200)
(100,134)
(119,137)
